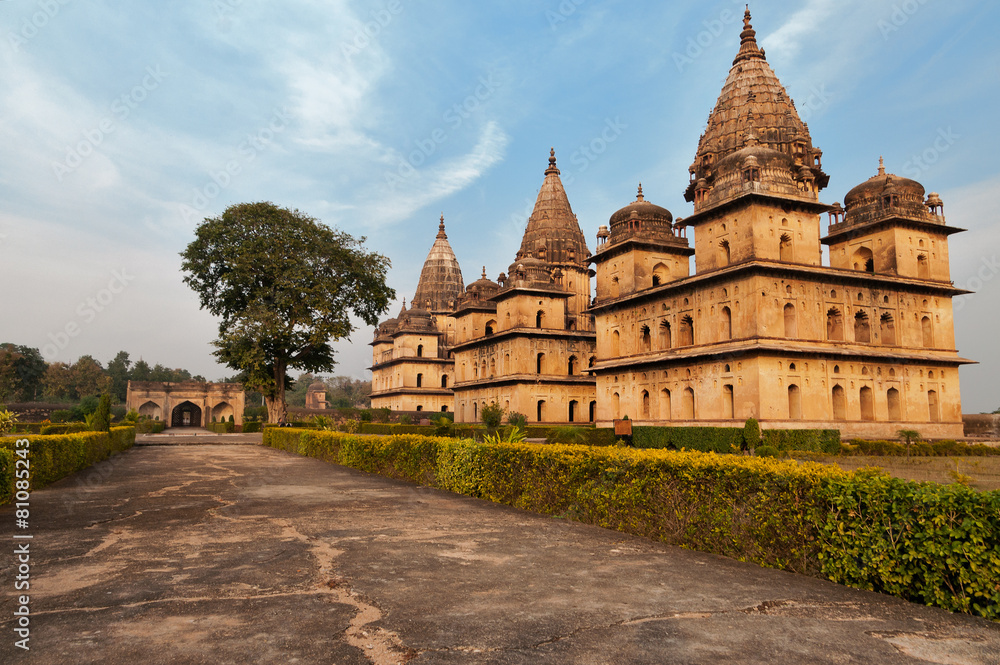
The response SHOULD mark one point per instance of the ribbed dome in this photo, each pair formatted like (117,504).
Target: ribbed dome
(883,183)
(641,218)
(753,109)
(440,282)
(485,286)
(553,234)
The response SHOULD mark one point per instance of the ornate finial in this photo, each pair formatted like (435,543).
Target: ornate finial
(748,41)
(881,165)
(441,233)
(639,195)
(484,272)
(552,163)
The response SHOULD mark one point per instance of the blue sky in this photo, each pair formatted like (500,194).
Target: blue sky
(126,123)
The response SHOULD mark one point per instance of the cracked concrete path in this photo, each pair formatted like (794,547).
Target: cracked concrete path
(235,554)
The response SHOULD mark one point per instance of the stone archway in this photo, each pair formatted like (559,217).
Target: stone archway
(186,414)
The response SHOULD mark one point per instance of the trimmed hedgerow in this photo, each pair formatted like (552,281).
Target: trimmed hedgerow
(703,439)
(7,475)
(224,427)
(928,543)
(251,427)
(56,456)
(942,448)
(812,440)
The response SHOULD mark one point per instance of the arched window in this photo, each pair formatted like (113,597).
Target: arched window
(933,408)
(664,334)
(887,330)
(791,322)
(615,287)
(923,267)
(665,404)
(572,410)
(493,367)
(895,408)
(725,257)
(927,331)
(444,409)
(539,319)
(660,274)
(863,260)
(785,248)
(834,325)
(615,344)
(867,404)
(728,407)
(539,360)
(593,411)
(646,339)
(616,405)
(839,403)
(686,332)
(490,327)
(420,380)
(862,331)
(444,381)
(475,412)
(645,404)
(687,407)
(794,402)
(590,363)
(571,366)
(727,323)
(420,350)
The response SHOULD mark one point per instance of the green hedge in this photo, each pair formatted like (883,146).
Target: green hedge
(63,428)
(221,428)
(703,439)
(923,542)
(918,449)
(813,440)
(251,428)
(56,456)
(150,426)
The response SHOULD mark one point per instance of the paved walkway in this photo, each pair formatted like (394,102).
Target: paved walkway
(237,554)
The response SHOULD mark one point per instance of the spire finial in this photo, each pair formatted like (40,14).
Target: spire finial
(748,40)
(552,163)
(484,272)
(441,233)
(639,195)
(881,165)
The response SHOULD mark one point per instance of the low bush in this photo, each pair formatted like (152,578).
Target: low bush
(703,439)
(221,428)
(927,543)
(251,428)
(919,449)
(813,440)
(56,456)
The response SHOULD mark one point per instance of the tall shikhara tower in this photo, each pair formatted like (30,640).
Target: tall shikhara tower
(412,368)
(763,328)
(526,342)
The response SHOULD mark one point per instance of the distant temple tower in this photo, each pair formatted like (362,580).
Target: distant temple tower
(412,365)
(526,342)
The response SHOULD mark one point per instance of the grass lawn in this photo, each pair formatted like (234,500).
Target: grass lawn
(983,472)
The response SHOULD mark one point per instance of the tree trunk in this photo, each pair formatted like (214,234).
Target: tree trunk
(277,410)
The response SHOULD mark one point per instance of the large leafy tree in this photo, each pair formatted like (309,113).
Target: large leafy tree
(118,371)
(22,370)
(89,378)
(285,285)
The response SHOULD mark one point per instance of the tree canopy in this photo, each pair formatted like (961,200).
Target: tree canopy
(284,285)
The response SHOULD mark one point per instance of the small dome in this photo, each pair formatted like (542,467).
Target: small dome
(643,210)
(316,386)
(483,284)
(883,183)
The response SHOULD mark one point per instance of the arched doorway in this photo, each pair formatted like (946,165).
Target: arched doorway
(186,414)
